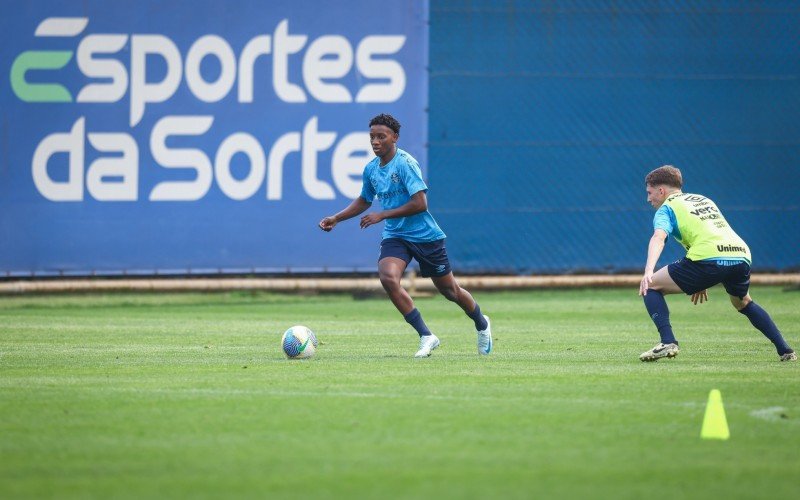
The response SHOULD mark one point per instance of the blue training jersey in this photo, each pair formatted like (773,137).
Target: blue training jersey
(665,219)
(394,184)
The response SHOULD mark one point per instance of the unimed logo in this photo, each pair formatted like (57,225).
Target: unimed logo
(115,73)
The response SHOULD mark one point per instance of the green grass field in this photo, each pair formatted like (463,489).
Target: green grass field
(170,396)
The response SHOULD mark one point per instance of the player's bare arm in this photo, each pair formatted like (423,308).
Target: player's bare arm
(417,204)
(654,249)
(357,207)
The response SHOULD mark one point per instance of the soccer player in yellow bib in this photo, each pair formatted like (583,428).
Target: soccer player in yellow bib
(714,254)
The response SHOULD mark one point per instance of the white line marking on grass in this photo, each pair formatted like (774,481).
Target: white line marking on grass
(222,392)
(771,414)
(306,394)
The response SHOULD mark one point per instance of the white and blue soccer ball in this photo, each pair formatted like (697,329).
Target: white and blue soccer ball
(299,342)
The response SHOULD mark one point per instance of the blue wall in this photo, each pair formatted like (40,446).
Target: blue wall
(542,120)
(546,116)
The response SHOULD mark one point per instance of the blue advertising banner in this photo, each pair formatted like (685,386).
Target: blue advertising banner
(198,136)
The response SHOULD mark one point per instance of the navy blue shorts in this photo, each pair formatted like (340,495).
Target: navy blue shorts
(432,256)
(695,276)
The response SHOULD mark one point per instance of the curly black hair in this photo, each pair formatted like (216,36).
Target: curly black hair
(388,120)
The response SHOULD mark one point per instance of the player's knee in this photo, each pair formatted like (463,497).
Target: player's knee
(740,303)
(450,292)
(389,281)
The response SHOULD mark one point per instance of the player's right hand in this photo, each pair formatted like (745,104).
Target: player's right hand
(701,296)
(327,223)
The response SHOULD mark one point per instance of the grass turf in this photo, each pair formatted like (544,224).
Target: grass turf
(133,396)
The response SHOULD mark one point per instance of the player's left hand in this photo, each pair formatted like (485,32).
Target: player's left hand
(701,296)
(647,280)
(371,219)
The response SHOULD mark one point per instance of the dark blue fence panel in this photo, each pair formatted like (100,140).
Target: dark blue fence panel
(546,116)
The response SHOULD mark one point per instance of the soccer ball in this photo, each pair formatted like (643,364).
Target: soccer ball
(299,342)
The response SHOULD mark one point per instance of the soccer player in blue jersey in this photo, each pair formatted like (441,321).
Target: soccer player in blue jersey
(714,254)
(410,232)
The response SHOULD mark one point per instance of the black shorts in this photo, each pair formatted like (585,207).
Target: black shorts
(432,256)
(695,276)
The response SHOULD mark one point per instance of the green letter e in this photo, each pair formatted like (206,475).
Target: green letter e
(39,92)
